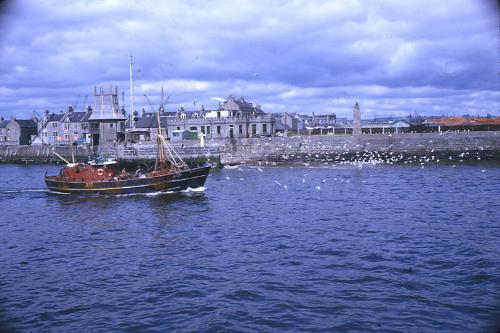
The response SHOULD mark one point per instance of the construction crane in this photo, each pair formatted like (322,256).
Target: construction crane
(76,101)
(84,102)
(149,102)
(162,106)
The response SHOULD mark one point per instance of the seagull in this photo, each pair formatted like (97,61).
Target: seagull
(318,188)
(256,74)
(323,181)
(260,169)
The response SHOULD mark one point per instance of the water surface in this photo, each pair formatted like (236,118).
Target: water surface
(358,249)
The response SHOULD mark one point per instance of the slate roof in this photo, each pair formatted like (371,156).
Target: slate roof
(56,117)
(76,117)
(26,123)
(282,126)
(87,116)
(258,110)
(148,122)
(3,124)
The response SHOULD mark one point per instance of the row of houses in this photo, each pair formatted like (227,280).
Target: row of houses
(105,124)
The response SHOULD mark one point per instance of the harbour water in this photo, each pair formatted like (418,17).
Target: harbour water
(322,248)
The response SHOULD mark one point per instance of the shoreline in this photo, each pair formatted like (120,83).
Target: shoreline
(374,148)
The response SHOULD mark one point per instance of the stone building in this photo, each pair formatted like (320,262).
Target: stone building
(64,128)
(235,118)
(17,131)
(107,122)
(75,126)
(289,122)
(50,128)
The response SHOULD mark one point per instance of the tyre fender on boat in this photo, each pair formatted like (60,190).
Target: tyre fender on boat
(100,172)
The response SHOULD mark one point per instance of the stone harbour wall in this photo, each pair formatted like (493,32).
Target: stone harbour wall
(303,147)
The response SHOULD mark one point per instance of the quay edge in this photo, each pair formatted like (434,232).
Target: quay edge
(485,145)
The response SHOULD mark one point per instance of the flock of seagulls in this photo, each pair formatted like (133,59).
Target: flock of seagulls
(368,158)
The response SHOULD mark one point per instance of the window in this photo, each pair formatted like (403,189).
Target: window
(54,134)
(240,129)
(193,128)
(208,129)
(54,124)
(178,128)
(203,129)
(264,128)
(218,129)
(254,129)
(65,136)
(66,126)
(218,114)
(111,125)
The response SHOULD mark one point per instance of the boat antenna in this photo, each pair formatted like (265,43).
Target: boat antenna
(132,101)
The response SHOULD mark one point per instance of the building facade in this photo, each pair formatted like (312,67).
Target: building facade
(106,124)
(235,118)
(18,131)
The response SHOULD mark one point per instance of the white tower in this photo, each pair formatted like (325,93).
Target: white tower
(356,119)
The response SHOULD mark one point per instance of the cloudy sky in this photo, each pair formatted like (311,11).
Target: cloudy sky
(393,57)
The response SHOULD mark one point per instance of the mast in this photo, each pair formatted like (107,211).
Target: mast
(160,153)
(132,101)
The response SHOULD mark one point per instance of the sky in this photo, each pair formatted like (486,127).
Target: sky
(393,57)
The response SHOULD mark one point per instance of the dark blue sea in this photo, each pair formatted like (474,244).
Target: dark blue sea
(391,248)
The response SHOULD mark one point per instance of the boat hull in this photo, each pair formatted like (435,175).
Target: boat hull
(174,182)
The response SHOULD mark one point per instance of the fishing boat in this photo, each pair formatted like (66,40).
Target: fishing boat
(101,176)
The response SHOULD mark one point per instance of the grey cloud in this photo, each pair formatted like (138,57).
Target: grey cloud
(395,56)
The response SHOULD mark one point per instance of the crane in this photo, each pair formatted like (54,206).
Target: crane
(84,101)
(149,102)
(163,101)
